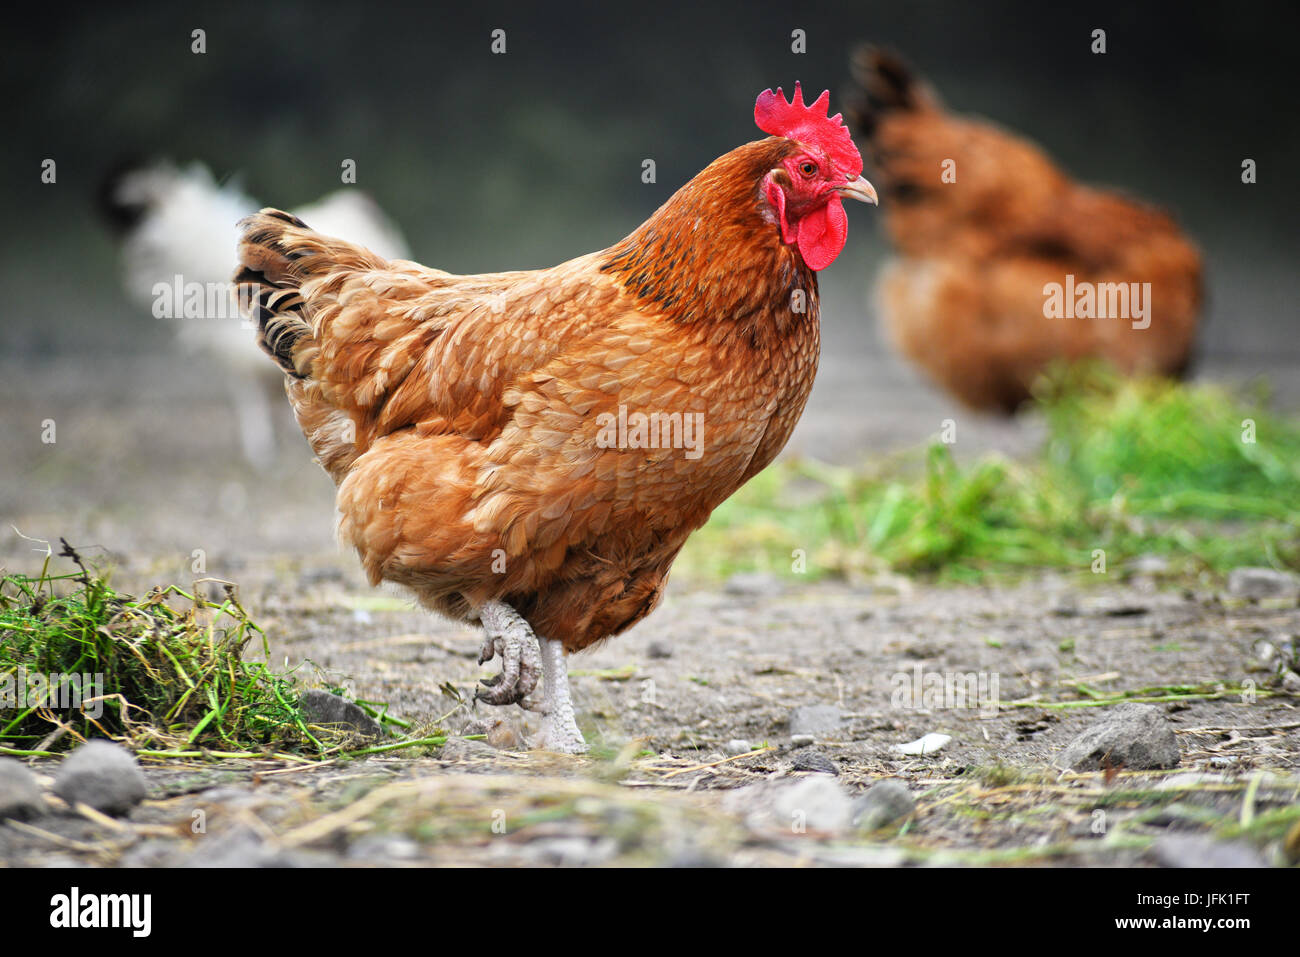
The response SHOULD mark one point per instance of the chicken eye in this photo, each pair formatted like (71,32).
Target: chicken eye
(808,168)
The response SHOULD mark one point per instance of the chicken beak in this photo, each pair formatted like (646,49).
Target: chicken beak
(860,190)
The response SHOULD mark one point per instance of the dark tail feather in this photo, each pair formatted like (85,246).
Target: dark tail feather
(268,282)
(882,83)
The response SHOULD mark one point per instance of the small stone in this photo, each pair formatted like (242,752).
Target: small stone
(1262,583)
(659,649)
(813,803)
(810,759)
(103,775)
(20,795)
(883,804)
(926,744)
(802,740)
(738,746)
(321,707)
(1195,850)
(1134,737)
(817,803)
(815,719)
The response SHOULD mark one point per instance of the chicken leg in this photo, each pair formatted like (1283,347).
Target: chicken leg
(511,637)
(559,729)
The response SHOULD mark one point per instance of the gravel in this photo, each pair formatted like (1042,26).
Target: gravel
(20,795)
(321,707)
(883,804)
(104,776)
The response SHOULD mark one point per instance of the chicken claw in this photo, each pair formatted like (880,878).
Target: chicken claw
(509,636)
(524,659)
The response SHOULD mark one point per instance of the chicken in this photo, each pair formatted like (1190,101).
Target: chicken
(530,450)
(1005,264)
(177,221)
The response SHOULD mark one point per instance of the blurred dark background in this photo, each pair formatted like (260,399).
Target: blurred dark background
(505,161)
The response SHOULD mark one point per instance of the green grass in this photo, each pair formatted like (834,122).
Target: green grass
(174,679)
(1130,467)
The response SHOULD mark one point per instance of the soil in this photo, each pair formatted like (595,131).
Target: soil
(693,705)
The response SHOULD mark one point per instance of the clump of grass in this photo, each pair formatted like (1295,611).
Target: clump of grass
(1163,449)
(173,679)
(1130,467)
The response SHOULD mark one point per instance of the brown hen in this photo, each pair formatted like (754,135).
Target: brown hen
(532,449)
(988,230)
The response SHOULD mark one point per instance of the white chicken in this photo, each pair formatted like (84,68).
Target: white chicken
(179,221)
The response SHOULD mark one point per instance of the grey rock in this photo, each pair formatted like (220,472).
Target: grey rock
(20,795)
(1195,850)
(884,803)
(1262,583)
(815,719)
(814,803)
(810,759)
(1134,736)
(818,801)
(321,707)
(104,776)
(659,649)
(802,740)
(738,746)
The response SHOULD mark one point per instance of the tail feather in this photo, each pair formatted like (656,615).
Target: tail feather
(278,253)
(883,83)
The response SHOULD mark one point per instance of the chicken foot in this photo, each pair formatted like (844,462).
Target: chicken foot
(511,637)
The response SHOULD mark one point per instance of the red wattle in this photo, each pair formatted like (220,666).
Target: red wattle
(822,233)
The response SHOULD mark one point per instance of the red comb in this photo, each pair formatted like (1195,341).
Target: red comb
(809,124)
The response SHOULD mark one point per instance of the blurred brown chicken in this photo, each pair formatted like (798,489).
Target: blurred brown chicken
(488,433)
(1004,263)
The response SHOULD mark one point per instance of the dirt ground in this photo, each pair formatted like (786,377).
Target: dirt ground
(698,718)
